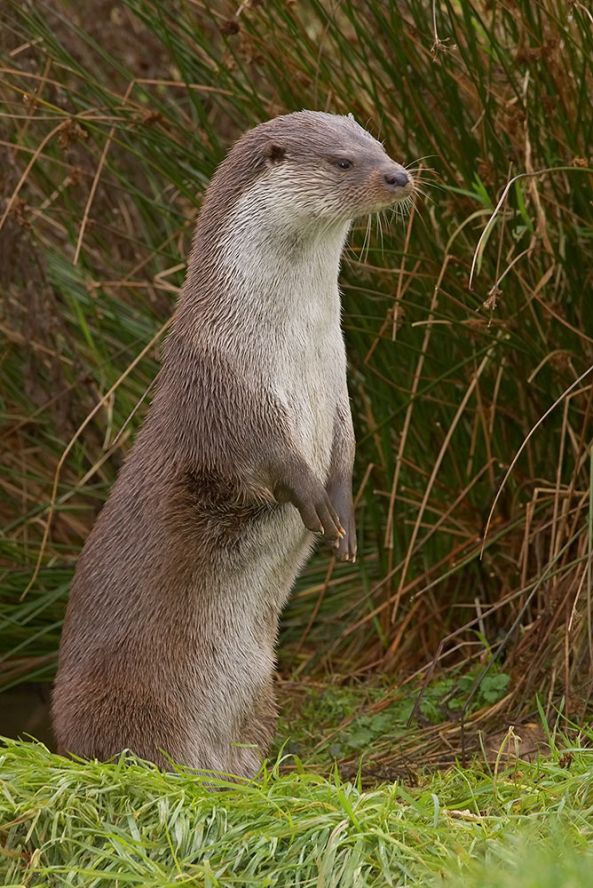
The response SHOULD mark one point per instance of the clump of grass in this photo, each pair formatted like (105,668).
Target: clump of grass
(554,859)
(108,152)
(63,822)
(359,726)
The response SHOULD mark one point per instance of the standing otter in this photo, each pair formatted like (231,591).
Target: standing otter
(168,646)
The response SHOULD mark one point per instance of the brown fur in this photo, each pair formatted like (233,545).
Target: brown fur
(168,643)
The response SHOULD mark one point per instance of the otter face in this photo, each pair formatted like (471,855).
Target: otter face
(324,167)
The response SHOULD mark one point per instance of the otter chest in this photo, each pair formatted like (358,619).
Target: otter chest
(310,372)
(290,321)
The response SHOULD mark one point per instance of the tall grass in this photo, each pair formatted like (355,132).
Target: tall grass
(111,131)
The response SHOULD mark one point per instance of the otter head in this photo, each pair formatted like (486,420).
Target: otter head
(310,169)
(327,167)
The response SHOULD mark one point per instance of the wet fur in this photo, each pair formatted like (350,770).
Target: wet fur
(168,646)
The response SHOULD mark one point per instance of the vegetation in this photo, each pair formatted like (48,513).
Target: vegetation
(67,823)
(113,127)
(469,328)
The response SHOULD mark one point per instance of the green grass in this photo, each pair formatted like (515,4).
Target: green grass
(66,823)
(556,858)
(110,128)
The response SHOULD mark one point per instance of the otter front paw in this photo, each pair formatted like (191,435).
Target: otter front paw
(341,497)
(347,547)
(319,516)
(315,507)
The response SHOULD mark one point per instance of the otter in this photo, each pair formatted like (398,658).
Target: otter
(244,459)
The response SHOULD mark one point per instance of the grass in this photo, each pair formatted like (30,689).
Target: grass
(327,723)
(470,335)
(533,861)
(67,823)
(453,383)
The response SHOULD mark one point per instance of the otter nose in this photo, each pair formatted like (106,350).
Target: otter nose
(397,178)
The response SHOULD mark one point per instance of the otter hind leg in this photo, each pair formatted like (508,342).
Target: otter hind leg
(98,720)
(256,733)
(100,724)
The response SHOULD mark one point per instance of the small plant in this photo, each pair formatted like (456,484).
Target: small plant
(450,695)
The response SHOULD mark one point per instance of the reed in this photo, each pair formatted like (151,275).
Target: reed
(469,323)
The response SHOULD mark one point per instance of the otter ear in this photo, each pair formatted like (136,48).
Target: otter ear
(274,152)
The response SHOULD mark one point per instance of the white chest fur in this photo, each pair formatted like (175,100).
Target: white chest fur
(290,318)
(308,370)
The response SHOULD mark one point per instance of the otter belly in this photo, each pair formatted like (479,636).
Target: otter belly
(241,599)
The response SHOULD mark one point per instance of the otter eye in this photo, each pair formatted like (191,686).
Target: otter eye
(343,163)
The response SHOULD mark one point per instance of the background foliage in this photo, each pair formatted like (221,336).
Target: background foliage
(114,118)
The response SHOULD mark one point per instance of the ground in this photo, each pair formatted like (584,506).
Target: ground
(499,822)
